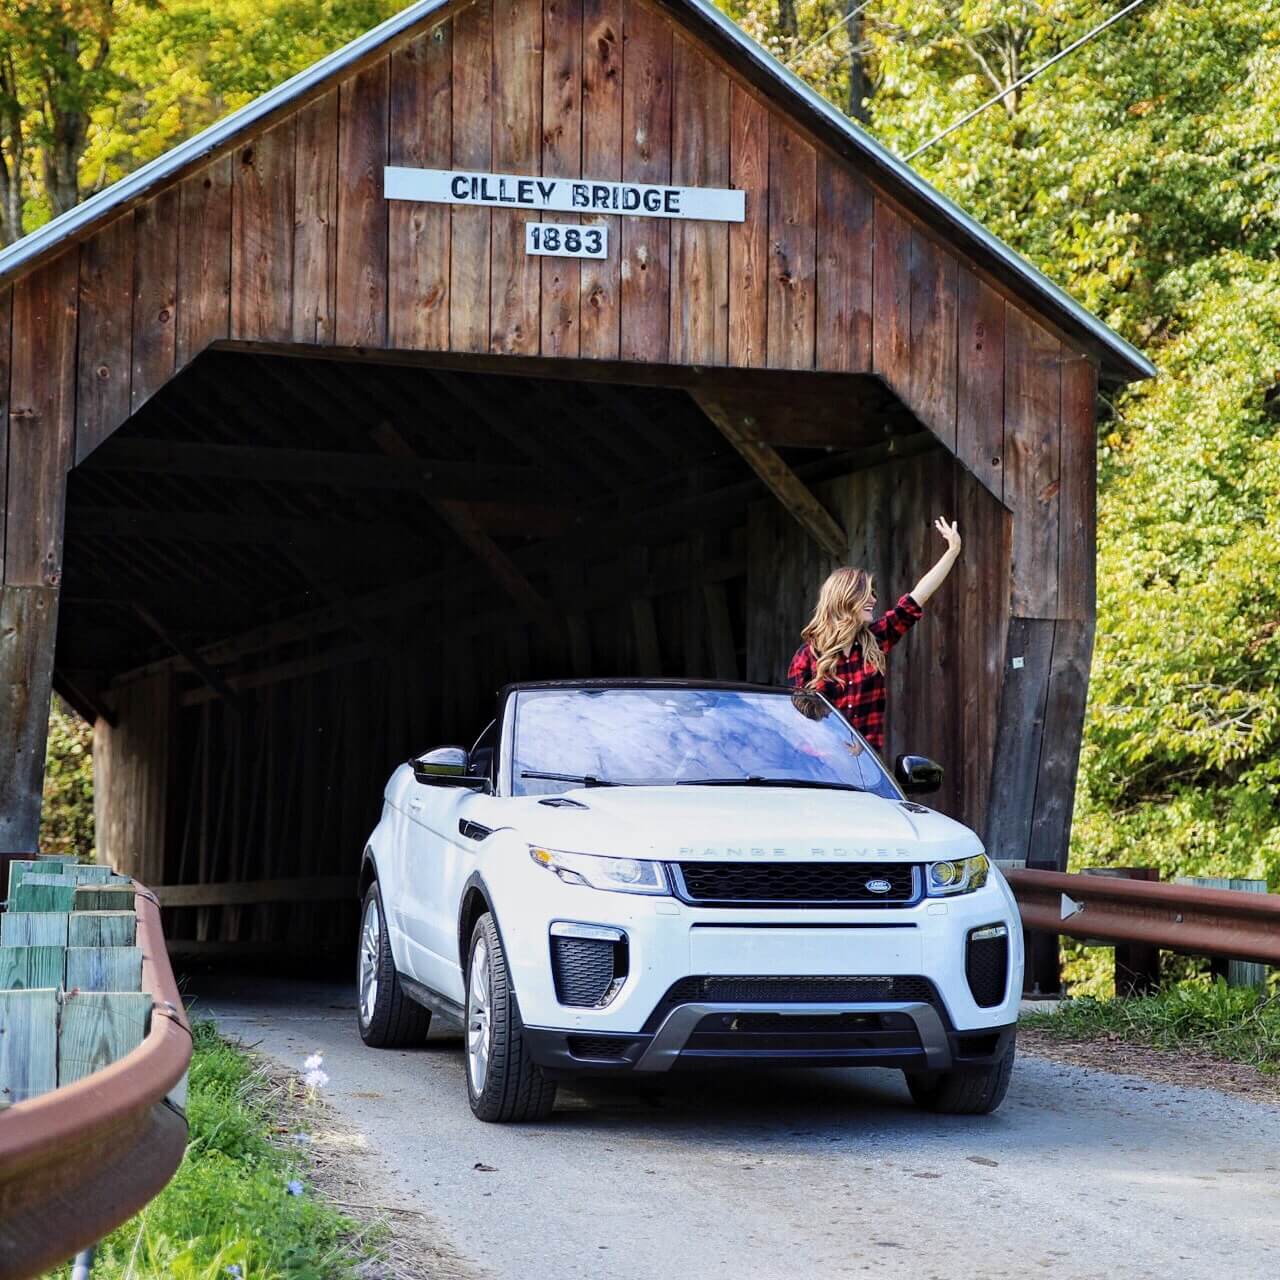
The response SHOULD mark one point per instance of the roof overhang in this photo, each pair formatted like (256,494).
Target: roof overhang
(1119,361)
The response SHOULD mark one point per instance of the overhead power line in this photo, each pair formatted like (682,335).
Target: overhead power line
(826,35)
(1031,75)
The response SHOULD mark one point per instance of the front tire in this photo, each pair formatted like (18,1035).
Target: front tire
(503,1082)
(387,1018)
(965,1091)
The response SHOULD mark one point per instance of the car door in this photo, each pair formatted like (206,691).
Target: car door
(438,862)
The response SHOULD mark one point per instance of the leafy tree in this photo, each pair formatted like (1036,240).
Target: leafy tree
(66,819)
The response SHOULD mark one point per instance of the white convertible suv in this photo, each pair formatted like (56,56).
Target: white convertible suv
(650,875)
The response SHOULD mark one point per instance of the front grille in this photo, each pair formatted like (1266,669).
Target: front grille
(583,969)
(777,1033)
(986,965)
(791,883)
(766,989)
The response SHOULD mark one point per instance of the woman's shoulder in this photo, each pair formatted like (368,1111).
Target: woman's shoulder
(802,661)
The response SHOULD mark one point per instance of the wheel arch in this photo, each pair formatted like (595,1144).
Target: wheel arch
(368,873)
(476,900)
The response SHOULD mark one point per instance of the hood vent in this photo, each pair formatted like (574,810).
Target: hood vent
(563,802)
(911,807)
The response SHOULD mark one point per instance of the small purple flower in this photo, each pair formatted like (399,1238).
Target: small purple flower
(234,1270)
(295,1188)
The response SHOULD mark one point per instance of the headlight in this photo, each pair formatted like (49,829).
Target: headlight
(961,875)
(621,875)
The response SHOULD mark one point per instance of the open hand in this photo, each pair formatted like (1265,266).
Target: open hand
(950,533)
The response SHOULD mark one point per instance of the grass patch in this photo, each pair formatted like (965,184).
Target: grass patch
(228,1211)
(1240,1024)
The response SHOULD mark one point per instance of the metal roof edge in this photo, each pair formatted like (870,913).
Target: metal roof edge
(207,140)
(133,185)
(1129,355)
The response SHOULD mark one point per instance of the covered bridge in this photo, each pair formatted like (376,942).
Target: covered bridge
(314,436)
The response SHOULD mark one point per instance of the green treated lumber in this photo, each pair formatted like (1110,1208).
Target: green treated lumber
(93,897)
(88,873)
(22,968)
(104,969)
(1240,973)
(28,1044)
(98,1028)
(33,929)
(64,858)
(19,869)
(102,929)
(44,893)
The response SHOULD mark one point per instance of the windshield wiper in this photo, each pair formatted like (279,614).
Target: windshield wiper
(756,780)
(587,781)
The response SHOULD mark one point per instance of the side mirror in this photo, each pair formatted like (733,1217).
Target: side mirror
(917,775)
(447,767)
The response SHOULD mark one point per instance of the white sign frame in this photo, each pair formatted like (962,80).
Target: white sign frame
(564,195)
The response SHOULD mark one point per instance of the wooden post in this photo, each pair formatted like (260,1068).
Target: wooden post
(28,621)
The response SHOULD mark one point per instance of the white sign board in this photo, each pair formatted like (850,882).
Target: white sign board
(559,240)
(564,195)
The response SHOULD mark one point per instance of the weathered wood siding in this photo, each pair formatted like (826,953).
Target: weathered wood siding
(286,238)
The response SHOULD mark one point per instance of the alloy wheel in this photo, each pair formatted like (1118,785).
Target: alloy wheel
(370,946)
(479,1017)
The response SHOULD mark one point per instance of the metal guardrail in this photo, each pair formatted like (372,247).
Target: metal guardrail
(1175,917)
(77,1162)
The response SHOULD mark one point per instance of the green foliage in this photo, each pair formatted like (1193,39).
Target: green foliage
(1236,1023)
(66,819)
(228,1205)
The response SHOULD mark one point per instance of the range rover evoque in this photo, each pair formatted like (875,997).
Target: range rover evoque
(641,876)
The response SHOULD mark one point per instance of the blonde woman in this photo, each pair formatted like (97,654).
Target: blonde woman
(844,647)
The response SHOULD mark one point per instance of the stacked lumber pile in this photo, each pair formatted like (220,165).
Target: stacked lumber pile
(70,975)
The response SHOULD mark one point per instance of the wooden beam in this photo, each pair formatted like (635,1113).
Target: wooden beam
(785,485)
(82,701)
(244,892)
(458,516)
(433,477)
(197,664)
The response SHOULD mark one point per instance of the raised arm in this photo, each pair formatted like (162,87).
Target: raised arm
(935,577)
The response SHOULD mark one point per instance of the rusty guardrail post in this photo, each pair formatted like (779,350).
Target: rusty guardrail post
(1137,964)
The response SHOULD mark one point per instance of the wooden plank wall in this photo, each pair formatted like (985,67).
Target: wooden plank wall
(944,677)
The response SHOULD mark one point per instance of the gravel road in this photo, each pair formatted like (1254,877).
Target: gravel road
(1081,1174)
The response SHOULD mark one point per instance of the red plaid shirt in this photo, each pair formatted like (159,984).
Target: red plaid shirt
(858,690)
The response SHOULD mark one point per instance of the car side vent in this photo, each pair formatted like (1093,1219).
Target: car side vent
(563,802)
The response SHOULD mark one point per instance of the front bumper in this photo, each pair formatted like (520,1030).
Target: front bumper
(714,1035)
(933,1020)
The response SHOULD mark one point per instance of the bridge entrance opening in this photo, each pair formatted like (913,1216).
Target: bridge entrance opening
(284,575)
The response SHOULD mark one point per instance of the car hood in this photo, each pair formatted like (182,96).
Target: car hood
(731,823)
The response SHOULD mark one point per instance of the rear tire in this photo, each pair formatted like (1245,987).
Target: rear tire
(387,1018)
(964,1091)
(503,1082)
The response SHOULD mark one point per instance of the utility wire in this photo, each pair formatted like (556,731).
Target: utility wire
(1031,75)
(826,35)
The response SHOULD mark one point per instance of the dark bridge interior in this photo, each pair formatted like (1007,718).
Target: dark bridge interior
(283,575)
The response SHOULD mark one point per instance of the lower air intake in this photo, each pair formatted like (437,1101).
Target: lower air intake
(986,966)
(584,969)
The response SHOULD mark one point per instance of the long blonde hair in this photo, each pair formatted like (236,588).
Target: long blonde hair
(837,623)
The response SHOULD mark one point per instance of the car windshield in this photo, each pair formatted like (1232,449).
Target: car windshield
(567,738)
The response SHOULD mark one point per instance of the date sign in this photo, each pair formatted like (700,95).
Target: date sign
(560,240)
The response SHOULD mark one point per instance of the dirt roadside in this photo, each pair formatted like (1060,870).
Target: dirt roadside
(1188,1069)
